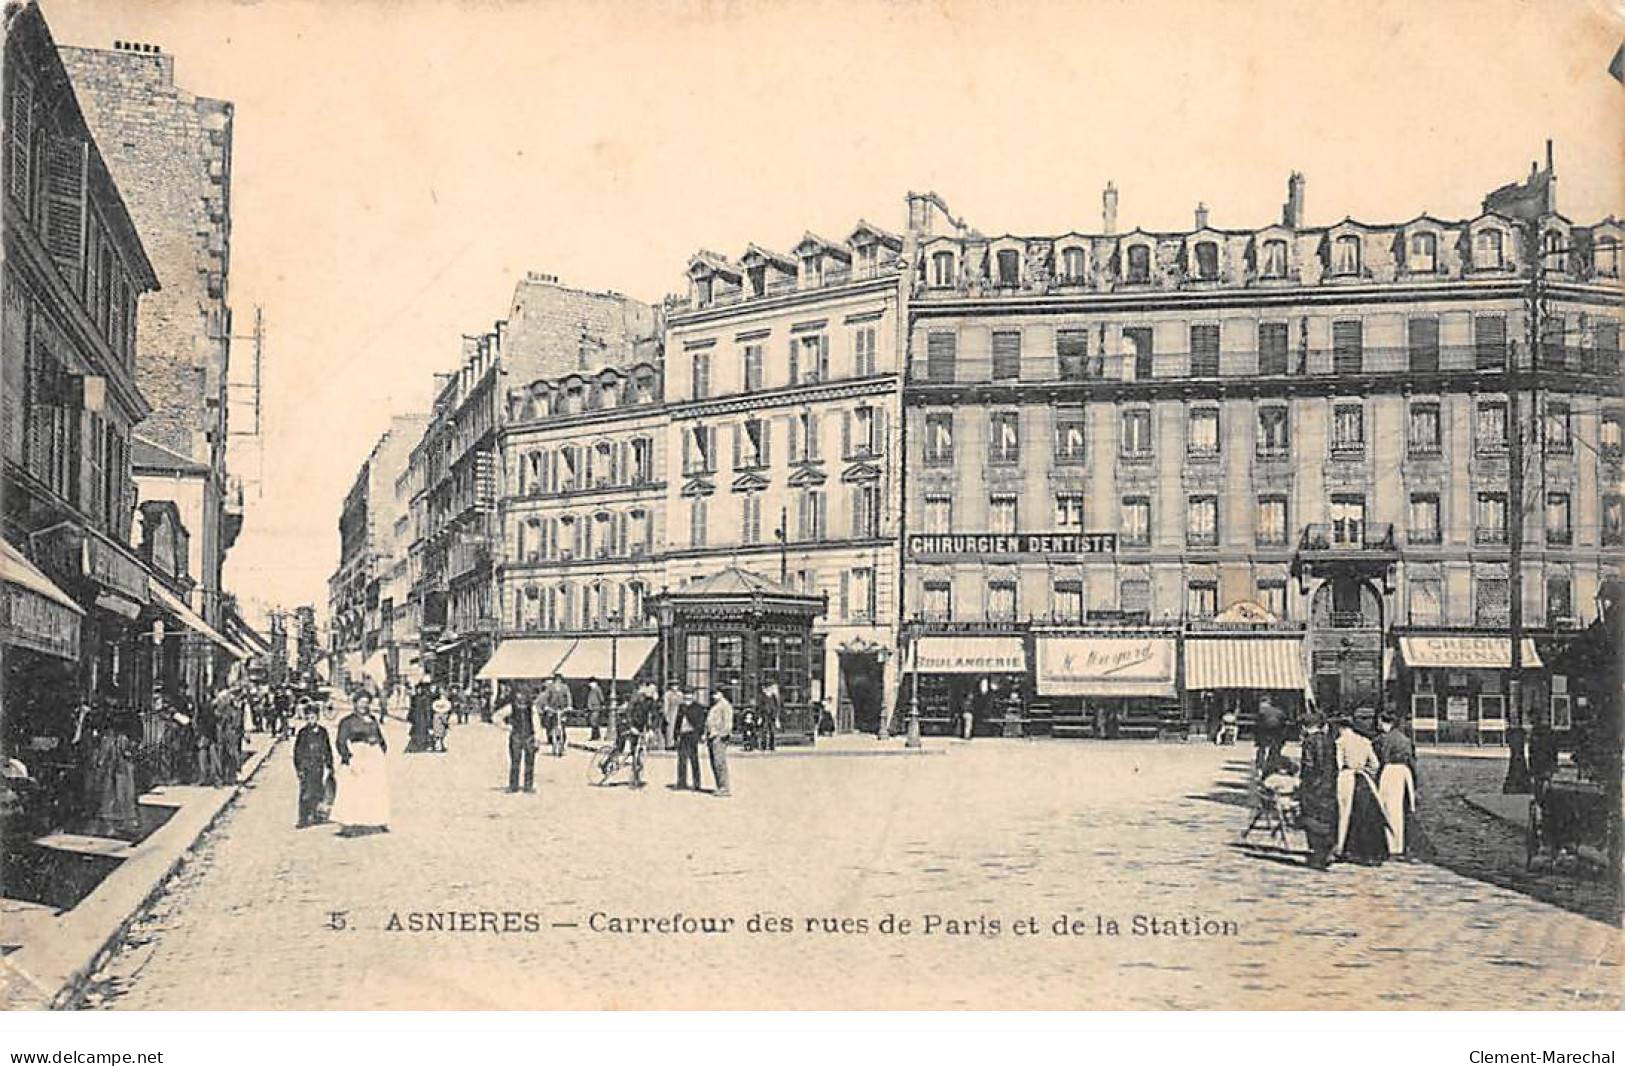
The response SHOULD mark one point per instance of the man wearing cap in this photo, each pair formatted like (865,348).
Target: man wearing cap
(313,762)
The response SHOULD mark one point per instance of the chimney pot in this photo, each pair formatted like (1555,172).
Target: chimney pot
(1108,203)
(1201,216)
(1292,210)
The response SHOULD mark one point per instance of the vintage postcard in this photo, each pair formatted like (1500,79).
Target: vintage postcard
(673,504)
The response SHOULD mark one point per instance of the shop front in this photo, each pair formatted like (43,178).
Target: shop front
(1239,675)
(1455,684)
(982,673)
(1108,684)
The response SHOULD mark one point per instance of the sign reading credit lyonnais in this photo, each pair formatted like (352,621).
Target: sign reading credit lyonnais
(1012,543)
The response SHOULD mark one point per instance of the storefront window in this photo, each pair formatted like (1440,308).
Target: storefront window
(730,666)
(697,666)
(793,688)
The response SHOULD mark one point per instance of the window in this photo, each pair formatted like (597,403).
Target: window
(1202,521)
(1140,344)
(858,594)
(863,433)
(809,359)
(1562,713)
(1136,532)
(1004,437)
(1009,268)
(939,437)
(1492,518)
(699,448)
(1348,346)
(1139,264)
(1001,600)
(805,439)
(1348,519)
(696,523)
(1202,432)
(810,514)
(1605,257)
(1205,351)
(1072,265)
(1422,336)
(602,539)
(1559,529)
(939,514)
(1134,596)
(1348,428)
(1272,523)
(642,461)
(1613,520)
(1346,255)
(1559,600)
(863,351)
(1006,355)
(1272,263)
(1069,435)
(1609,435)
(1207,261)
(1490,342)
(1272,343)
(1424,518)
(1136,433)
(1274,436)
(1272,597)
(1072,354)
(939,601)
(638,532)
(1001,512)
(1423,434)
(1555,430)
(1068,598)
(750,518)
(751,444)
(1490,601)
(1426,601)
(601,470)
(1069,510)
(942,269)
(1424,253)
(697,665)
(1605,346)
(702,375)
(865,511)
(1489,250)
(1202,599)
(941,351)
(1490,427)
(753,368)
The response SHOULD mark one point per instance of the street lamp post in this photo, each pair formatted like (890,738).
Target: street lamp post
(913,740)
(614,620)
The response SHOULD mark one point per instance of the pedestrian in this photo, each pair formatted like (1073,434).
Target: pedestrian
(595,708)
(772,715)
(1317,790)
(362,803)
(1269,734)
(313,762)
(205,726)
(719,726)
(439,726)
(655,734)
(1396,784)
(671,707)
(556,697)
(967,717)
(465,704)
(439,707)
(522,745)
(688,727)
(282,710)
(112,775)
(1542,756)
(1361,835)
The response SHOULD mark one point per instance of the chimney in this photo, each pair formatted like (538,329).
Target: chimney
(1292,210)
(1201,216)
(1108,205)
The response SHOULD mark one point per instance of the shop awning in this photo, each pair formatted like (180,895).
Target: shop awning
(1243,662)
(189,618)
(591,657)
(1465,653)
(969,655)
(1106,666)
(34,612)
(525,657)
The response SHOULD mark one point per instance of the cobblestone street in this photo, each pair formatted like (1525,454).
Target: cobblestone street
(994,831)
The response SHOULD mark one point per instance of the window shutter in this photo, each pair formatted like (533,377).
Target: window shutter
(711,447)
(846,434)
(812,436)
(688,451)
(792,437)
(65,163)
(795,362)
(823,358)
(20,142)
(767,442)
(738,432)
(877,431)
(846,594)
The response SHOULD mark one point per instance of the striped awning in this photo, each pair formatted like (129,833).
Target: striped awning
(1247,663)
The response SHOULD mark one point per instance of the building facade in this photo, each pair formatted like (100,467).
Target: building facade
(1310,419)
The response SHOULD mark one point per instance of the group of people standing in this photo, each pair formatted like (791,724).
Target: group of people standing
(355,793)
(1355,794)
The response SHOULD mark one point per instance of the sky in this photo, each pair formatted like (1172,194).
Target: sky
(398,166)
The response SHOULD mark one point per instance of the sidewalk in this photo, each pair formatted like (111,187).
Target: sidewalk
(844,745)
(51,953)
(1514,811)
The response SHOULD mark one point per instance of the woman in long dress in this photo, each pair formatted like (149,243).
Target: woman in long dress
(1361,824)
(362,803)
(1397,785)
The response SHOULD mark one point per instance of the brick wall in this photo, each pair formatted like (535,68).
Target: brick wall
(550,327)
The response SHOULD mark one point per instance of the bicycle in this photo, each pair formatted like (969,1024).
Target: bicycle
(556,737)
(610,760)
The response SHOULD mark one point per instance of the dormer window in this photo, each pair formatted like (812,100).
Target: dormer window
(1139,264)
(1489,250)
(810,269)
(1072,265)
(1009,266)
(702,290)
(1605,257)
(942,269)
(1346,255)
(868,258)
(1424,253)
(1552,246)
(1272,263)
(1207,261)
(758,280)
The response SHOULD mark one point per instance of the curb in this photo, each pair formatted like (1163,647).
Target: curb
(798,752)
(71,995)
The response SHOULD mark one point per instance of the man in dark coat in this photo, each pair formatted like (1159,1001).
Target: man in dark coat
(313,762)
(689,728)
(1317,790)
(1269,733)
(1542,755)
(522,745)
(772,714)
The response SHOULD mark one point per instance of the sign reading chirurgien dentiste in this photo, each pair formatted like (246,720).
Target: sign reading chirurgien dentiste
(978,544)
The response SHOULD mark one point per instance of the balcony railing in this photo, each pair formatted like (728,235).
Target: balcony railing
(1049,368)
(1336,537)
(826,279)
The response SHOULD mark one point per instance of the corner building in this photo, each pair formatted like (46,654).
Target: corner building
(1308,419)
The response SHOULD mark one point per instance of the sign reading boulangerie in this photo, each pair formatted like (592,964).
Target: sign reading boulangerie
(1106,666)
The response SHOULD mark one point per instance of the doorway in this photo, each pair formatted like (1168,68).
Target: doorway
(861,678)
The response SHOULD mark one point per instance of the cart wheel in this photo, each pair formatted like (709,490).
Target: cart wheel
(1532,836)
(601,765)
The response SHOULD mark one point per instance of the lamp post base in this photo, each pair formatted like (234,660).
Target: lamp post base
(913,740)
